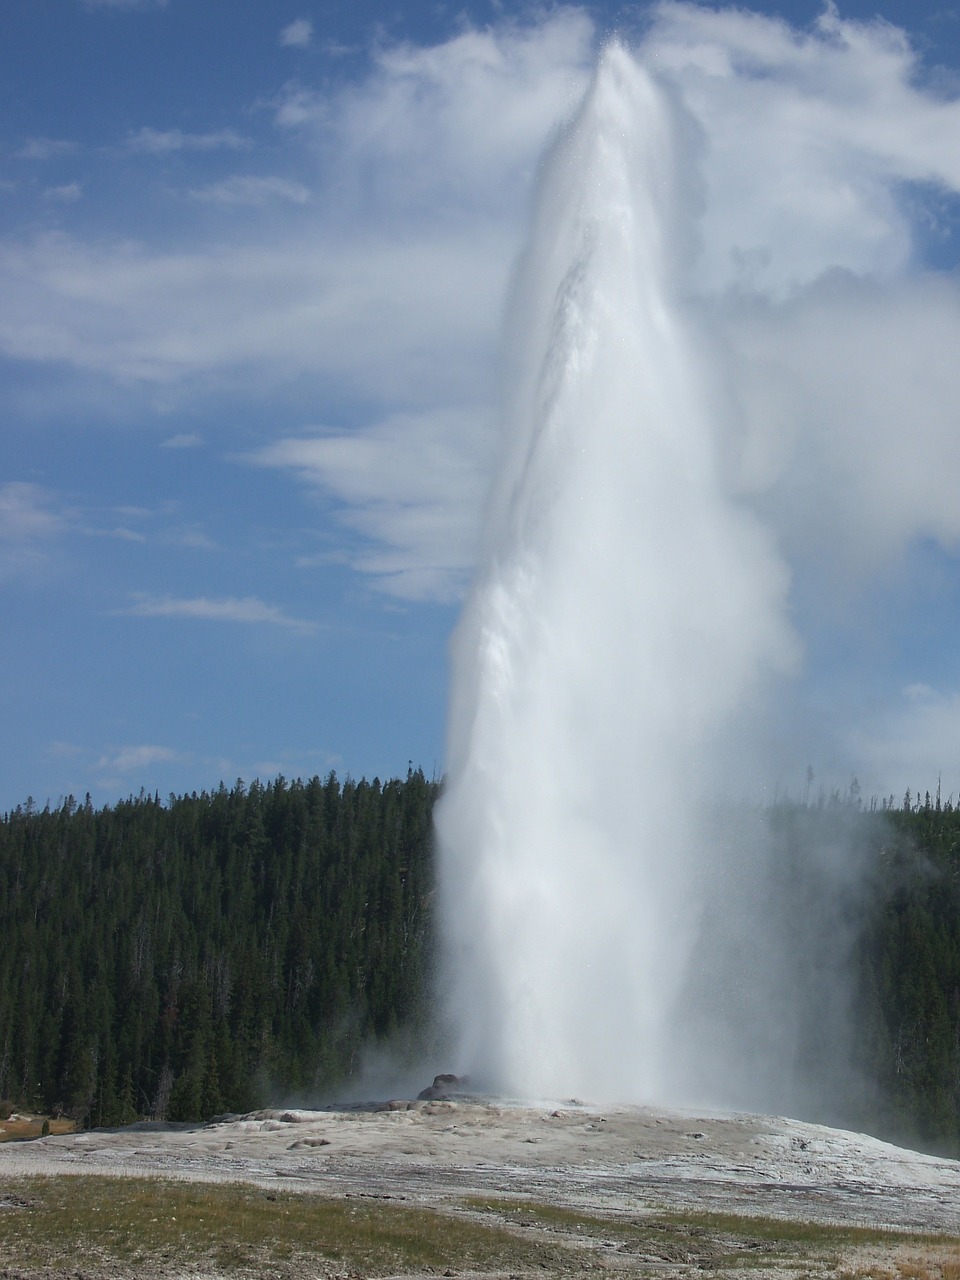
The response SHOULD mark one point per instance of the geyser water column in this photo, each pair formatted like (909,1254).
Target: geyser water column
(624,608)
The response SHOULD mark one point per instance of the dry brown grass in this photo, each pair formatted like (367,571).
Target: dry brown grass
(20,1127)
(928,1269)
(940,1262)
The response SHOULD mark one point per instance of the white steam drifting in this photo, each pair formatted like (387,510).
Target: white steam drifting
(671,458)
(626,609)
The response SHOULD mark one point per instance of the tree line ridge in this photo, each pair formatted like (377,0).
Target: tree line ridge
(222,950)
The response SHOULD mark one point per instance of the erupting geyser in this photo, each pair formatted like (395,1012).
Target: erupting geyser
(626,610)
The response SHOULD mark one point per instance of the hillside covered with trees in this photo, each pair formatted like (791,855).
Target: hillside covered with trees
(222,950)
(885,883)
(194,957)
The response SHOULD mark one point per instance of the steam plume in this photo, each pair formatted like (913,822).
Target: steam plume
(626,608)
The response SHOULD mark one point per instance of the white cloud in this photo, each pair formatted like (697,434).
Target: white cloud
(25,514)
(912,744)
(134,759)
(391,294)
(164,141)
(810,160)
(457,126)
(296,105)
(807,135)
(182,440)
(124,4)
(411,486)
(298,34)
(918,692)
(808,157)
(246,609)
(45,148)
(337,49)
(68,193)
(28,524)
(403,317)
(253,191)
(294,764)
(849,396)
(194,539)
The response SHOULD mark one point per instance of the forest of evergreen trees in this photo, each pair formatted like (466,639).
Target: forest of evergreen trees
(885,881)
(183,959)
(219,951)
(909,970)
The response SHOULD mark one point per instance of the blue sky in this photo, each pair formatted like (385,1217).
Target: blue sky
(253,264)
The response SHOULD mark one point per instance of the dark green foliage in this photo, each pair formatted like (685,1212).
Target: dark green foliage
(896,891)
(910,964)
(223,950)
(178,960)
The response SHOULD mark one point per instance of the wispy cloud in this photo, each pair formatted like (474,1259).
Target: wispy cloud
(802,248)
(121,533)
(364,312)
(297,34)
(911,743)
(395,287)
(337,49)
(295,764)
(192,538)
(124,4)
(68,193)
(410,486)
(29,521)
(45,148)
(253,191)
(297,105)
(246,610)
(182,440)
(164,141)
(810,135)
(161,527)
(25,512)
(132,759)
(462,123)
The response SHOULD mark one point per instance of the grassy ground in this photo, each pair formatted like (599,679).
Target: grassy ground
(94,1228)
(735,1245)
(18,1127)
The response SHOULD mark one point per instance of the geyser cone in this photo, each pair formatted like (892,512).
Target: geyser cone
(624,609)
